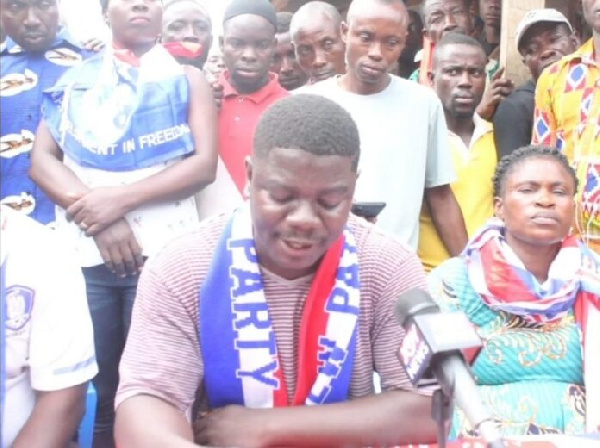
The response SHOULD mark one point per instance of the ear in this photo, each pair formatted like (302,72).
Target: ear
(499,208)
(431,77)
(221,43)
(249,164)
(344,32)
(575,39)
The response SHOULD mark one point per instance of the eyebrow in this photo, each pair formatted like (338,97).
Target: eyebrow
(272,183)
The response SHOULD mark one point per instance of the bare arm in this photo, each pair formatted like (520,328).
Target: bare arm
(54,419)
(447,218)
(150,422)
(100,207)
(50,173)
(391,418)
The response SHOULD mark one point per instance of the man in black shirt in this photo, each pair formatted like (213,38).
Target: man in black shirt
(543,37)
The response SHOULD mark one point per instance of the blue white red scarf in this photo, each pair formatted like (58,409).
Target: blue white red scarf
(121,114)
(241,361)
(498,275)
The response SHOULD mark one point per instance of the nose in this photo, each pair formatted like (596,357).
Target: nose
(190,34)
(545,198)
(320,60)
(465,80)
(303,218)
(248,54)
(139,5)
(32,20)
(375,51)
(287,65)
(449,23)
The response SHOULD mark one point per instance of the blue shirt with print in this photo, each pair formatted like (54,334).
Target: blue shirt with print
(23,78)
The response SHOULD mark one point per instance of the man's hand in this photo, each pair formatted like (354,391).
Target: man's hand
(119,249)
(94,44)
(499,89)
(231,426)
(217,89)
(97,209)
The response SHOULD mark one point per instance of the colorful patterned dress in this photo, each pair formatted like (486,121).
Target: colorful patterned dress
(529,376)
(567,116)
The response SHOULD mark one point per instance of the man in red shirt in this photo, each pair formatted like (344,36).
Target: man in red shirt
(248,45)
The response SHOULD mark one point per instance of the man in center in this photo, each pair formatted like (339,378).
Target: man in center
(405,148)
(287,302)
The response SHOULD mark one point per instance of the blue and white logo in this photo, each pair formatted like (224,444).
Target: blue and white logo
(19,304)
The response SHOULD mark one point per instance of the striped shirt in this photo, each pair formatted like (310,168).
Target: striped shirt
(163,356)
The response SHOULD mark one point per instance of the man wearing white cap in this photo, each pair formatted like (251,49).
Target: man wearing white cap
(543,37)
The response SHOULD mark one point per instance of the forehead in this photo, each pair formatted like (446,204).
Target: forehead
(538,169)
(461,54)
(184,10)
(248,26)
(302,168)
(376,14)
(442,5)
(320,26)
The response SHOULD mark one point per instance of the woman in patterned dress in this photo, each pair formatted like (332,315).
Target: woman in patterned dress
(531,290)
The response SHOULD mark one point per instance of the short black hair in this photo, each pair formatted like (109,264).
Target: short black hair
(284,19)
(456,38)
(508,163)
(311,123)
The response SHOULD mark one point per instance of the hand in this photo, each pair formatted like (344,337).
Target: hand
(97,209)
(231,426)
(217,93)
(119,249)
(94,44)
(499,89)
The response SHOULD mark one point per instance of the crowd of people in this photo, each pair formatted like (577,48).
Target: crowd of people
(181,223)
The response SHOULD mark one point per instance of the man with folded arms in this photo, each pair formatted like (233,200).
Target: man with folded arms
(286,302)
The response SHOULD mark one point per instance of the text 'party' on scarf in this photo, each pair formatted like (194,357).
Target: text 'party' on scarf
(241,361)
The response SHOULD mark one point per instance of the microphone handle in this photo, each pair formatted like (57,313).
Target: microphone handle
(456,380)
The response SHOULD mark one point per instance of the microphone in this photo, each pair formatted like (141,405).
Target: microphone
(432,347)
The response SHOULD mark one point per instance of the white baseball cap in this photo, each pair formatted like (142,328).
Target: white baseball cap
(540,15)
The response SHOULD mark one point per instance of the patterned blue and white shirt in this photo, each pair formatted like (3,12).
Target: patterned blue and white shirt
(23,78)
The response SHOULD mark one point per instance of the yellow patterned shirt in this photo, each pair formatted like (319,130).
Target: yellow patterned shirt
(567,115)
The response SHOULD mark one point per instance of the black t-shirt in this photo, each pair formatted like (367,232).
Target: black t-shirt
(513,120)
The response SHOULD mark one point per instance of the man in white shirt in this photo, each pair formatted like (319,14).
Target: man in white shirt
(405,149)
(47,347)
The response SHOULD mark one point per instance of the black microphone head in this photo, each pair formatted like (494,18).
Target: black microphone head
(414,302)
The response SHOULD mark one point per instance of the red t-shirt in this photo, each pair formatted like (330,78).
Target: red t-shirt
(238,118)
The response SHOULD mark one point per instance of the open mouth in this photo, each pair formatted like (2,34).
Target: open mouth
(298,248)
